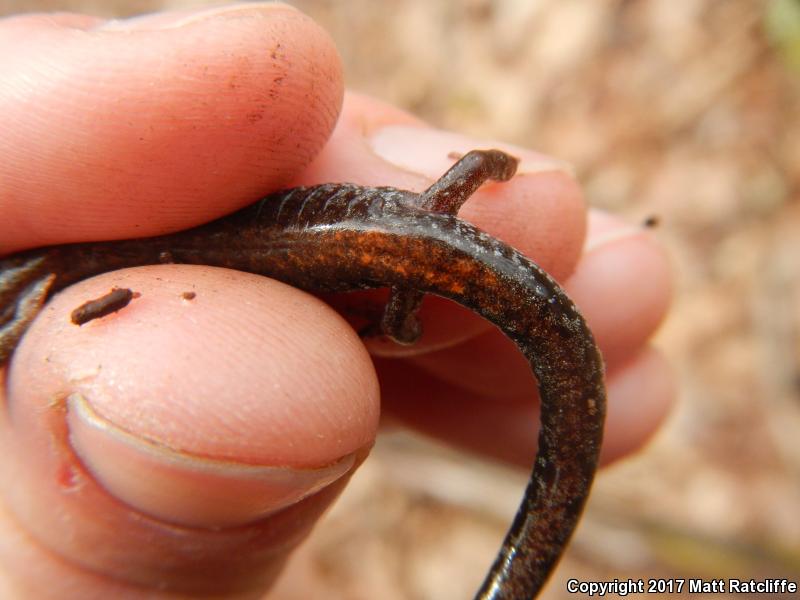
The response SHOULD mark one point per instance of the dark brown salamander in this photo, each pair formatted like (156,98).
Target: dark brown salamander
(340,237)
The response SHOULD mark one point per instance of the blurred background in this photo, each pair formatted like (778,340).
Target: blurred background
(686,110)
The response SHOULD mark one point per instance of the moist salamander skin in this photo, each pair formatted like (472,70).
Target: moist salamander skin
(342,237)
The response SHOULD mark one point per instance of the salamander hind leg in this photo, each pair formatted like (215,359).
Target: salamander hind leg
(462,179)
(398,320)
(23,291)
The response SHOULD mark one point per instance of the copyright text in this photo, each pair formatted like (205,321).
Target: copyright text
(624,587)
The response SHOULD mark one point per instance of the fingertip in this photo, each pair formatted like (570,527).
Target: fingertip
(623,286)
(177,124)
(641,395)
(215,362)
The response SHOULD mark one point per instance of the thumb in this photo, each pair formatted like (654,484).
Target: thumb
(189,453)
(182,445)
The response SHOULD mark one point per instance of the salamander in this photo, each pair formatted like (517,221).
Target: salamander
(343,237)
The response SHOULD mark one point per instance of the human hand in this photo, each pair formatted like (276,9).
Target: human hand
(147,455)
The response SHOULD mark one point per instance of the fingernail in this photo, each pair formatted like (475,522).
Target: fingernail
(611,237)
(179,18)
(430,152)
(184,489)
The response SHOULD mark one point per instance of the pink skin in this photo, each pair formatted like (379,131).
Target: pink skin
(109,136)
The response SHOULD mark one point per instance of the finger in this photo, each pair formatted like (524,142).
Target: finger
(622,285)
(135,128)
(540,211)
(507,428)
(193,437)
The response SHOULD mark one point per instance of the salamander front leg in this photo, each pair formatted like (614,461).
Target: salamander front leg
(399,321)
(445,196)
(462,179)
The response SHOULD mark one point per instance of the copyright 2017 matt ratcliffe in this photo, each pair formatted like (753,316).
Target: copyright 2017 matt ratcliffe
(624,587)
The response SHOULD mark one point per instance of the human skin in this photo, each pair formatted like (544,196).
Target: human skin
(108,133)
